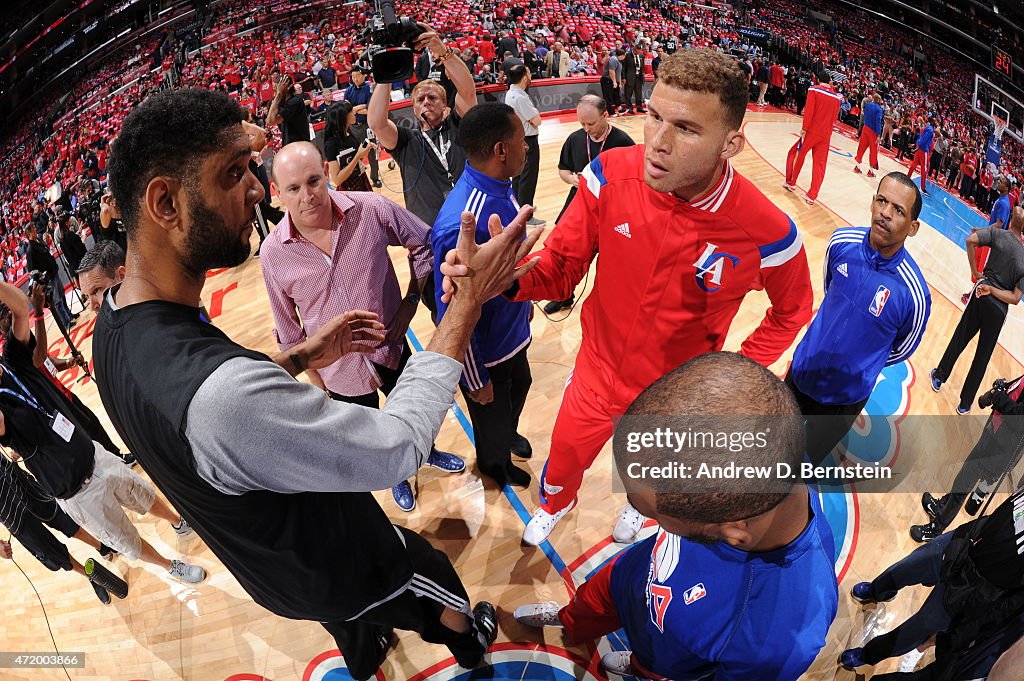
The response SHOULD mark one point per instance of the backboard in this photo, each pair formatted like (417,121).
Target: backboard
(992,102)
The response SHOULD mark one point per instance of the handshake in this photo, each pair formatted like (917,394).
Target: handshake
(475,272)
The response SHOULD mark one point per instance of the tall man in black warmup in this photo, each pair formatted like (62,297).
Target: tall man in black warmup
(279,491)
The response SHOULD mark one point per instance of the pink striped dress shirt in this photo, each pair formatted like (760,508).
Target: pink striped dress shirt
(307,288)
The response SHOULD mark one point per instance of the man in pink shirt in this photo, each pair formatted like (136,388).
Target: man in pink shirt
(330,254)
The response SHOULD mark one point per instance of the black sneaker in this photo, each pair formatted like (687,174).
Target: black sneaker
(924,533)
(107,552)
(521,447)
(559,305)
(517,477)
(129,459)
(974,502)
(930,505)
(101,593)
(378,184)
(485,623)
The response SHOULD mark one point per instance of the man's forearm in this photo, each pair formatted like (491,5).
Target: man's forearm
(1008,297)
(456,328)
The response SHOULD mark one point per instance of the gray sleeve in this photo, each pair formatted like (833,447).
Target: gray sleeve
(254,427)
(984,236)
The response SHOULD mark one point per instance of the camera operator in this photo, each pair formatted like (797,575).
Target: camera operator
(430,158)
(43,267)
(65,234)
(111,227)
(998,448)
(999,287)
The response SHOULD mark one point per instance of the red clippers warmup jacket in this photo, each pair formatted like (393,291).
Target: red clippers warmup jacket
(671,274)
(821,112)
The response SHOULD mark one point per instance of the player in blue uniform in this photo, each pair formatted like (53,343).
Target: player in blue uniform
(739,583)
(874,314)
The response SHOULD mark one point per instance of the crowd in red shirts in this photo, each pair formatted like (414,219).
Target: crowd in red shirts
(249,47)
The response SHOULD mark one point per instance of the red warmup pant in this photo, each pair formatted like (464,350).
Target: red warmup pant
(868,140)
(795,161)
(582,427)
(921,159)
(591,614)
(980,259)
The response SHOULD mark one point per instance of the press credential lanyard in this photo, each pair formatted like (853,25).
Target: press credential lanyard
(442,153)
(58,422)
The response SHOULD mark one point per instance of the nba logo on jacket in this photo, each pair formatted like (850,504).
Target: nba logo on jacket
(710,266)
(694,593)
(878,302)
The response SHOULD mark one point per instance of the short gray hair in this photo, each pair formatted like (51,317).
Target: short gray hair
(105,255)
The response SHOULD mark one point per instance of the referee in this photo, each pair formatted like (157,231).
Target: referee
(874,314)
(998,287)
(579,149)
(281,490)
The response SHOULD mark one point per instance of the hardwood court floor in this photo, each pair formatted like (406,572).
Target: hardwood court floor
(165,630)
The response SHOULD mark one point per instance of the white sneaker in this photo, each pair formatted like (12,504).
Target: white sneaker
(539,614)
(617,662)
(629,524)
(541,524)
(183,529)
(808,200)
(191,574)
(789,187)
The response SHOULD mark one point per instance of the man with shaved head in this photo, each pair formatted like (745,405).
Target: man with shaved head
(738,582)
(329,255)
(596,134)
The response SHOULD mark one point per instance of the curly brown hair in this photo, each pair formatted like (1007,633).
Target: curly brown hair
(710,71)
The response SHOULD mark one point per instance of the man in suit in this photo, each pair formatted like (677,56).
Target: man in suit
(556,62)
(633,73)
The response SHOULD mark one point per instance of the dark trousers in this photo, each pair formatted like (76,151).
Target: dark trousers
(967,187)
(953,176)
(388,379)
(827,423)
(495,424)
(58,303)
(989,459)
(634,94)
(610,93)
(270,214)
(984,318)
(920,567)
(364,641)
(801,102)
(525,184)
(359,131)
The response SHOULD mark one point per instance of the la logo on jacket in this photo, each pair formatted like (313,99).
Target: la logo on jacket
(710,266)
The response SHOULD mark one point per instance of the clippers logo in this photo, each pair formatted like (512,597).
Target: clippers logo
(660,597)
(710,266)
(694,594)
(878,302)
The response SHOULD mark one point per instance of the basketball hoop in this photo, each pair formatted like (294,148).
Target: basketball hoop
(1000,127)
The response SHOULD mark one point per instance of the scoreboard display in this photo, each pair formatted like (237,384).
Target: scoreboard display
(1002,63)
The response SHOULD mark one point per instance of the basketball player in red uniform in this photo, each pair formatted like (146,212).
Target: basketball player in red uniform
(683,237)
(820,114)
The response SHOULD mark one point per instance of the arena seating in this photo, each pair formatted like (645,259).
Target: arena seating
(863,50)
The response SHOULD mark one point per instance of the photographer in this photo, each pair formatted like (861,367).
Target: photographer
(998,448)
(66,235)
(978,578)
(430,158)
(43,267)
(111,227)
(292,115)
(998,287)
(358,95)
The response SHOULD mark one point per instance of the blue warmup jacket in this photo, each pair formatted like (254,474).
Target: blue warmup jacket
(873,117)
(874,314)
(693,611)
(504,326)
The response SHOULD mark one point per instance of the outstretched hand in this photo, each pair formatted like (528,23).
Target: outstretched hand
(483,271)
(354,331)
